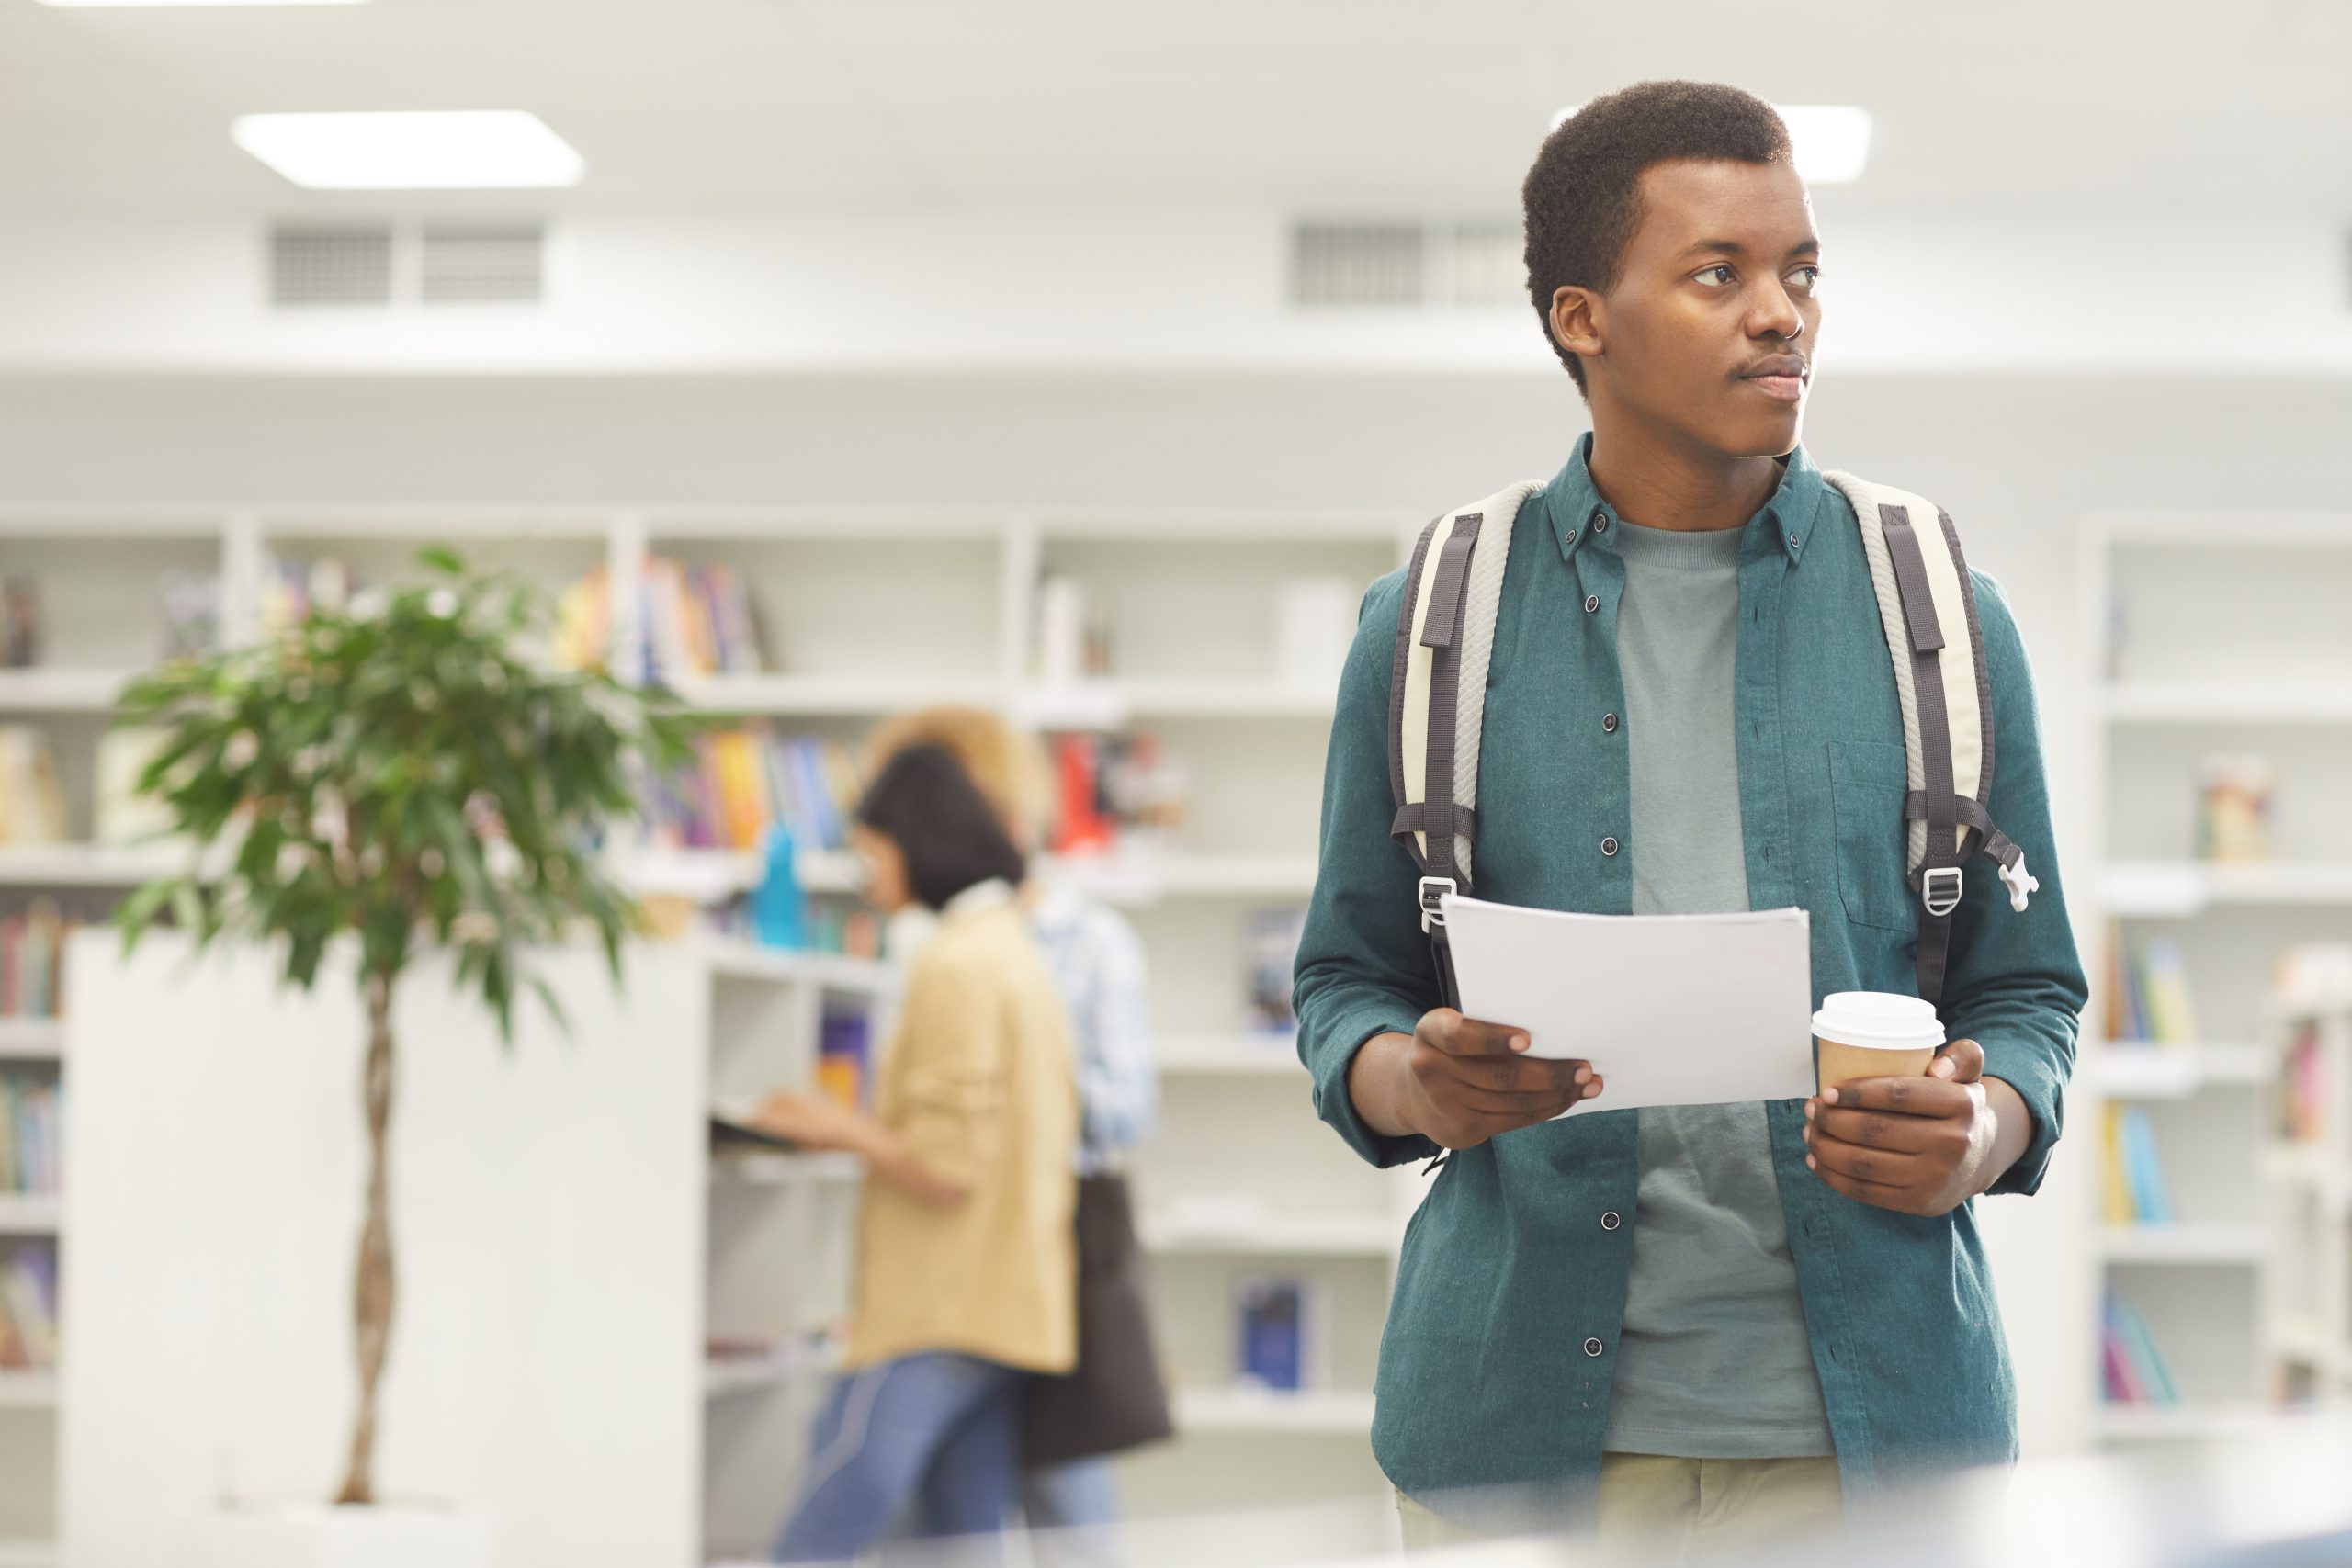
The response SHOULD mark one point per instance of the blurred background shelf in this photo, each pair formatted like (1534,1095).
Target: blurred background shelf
(28,1391)
(30,1215)
(1243,1410)
(2221,1246)
(2135,1071)
(32,1038)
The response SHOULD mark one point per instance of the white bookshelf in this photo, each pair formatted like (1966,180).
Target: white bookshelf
(31,1040)
(2239,649)
(869,611)
(2309,1302)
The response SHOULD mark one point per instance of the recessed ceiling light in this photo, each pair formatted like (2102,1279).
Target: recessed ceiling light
(146,5)
(412,149)
(1833,140)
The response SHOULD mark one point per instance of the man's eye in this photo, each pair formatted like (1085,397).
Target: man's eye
(1710,272)
(1812,276)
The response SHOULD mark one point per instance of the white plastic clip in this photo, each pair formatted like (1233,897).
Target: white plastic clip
(1432,889)
(2022,883)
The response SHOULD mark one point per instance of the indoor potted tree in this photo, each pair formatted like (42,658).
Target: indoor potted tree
(391,777)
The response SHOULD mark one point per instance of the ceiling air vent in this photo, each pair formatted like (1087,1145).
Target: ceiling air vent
(331,266)
(481,265)
(1489,265)
(1358,264)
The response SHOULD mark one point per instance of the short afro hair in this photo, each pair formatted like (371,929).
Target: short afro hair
(1583,193)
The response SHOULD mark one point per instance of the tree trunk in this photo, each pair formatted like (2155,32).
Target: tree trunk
(372,1288)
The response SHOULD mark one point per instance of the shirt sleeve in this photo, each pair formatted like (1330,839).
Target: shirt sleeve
(1118,1085)
(2016,984)
(1364,966)
(949,1068)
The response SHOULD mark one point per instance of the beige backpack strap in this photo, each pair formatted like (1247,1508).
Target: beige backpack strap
(1928,611)
(1437,700)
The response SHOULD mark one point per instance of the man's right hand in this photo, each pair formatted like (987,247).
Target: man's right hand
(1459,1082)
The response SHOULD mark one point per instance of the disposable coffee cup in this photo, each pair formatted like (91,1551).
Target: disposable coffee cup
(1873,1034)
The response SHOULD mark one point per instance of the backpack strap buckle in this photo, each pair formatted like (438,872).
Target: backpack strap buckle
(1939,889)
(1434,888)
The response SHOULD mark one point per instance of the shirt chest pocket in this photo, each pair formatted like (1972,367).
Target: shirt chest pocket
(1868,781)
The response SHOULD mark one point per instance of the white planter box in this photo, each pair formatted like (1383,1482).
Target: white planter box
(399,1535)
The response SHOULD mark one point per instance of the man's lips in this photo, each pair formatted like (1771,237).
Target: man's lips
(1785,388)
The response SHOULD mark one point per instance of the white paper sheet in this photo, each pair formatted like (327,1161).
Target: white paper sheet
(1670,1010)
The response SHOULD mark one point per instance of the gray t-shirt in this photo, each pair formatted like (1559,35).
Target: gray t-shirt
(1715,1362)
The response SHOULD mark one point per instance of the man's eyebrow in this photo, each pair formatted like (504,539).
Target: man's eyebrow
(1807,247)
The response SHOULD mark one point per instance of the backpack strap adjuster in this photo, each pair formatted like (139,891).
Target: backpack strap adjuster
(1434,888)
(1939,896)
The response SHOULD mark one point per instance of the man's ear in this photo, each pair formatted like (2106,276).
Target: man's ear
(1577,320)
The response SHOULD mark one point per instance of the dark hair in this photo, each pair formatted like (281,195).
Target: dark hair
(1583,192)
(951,835)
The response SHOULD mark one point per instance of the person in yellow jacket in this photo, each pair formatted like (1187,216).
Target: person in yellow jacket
(967,1262)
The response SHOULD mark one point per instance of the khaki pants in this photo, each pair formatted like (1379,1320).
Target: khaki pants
(1668,1508)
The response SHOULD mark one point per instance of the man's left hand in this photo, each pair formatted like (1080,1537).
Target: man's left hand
(1916,1146)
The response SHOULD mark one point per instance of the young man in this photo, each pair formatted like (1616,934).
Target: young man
(1709,1317)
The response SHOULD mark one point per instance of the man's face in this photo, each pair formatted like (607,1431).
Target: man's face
(1711,327)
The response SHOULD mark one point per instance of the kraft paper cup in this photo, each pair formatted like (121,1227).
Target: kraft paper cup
(1873,1034)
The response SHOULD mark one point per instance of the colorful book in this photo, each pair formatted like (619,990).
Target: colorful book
(2151,1196)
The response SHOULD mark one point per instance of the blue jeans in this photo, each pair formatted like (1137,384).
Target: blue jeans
(933,1432)
(1074,1507)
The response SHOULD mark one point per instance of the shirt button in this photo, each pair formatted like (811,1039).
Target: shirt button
(1609,846)
(1609,1222)
(1572,535)
(1608,723)
(1592,1346)
(1792,538)
(1600,519)
(1591,603)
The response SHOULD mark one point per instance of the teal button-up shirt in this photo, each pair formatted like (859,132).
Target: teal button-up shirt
(1497,1362)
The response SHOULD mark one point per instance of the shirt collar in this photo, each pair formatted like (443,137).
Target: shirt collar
(1580,516)
(994,893)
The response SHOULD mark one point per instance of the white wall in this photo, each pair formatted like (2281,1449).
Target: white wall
(547,1212)
(2075,291)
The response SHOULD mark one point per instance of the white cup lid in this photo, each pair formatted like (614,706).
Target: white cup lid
(1878,1020)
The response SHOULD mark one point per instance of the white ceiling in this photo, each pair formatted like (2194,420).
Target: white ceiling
(1425,105)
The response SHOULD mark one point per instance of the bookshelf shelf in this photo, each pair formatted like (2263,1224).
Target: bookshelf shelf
(1130,879)
(1111,703)
(28,1391)
(1301,1235)
(24,1214)
(2177,889)
(824,695)
(2219,1246)
(2129,1070)
(83,866)
(724,1376)
(2189,1422)
(825,971)
(61,691)
(2225,702)
(780,1168)
(1229,1056)
(1246,1410)
(32,1038)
